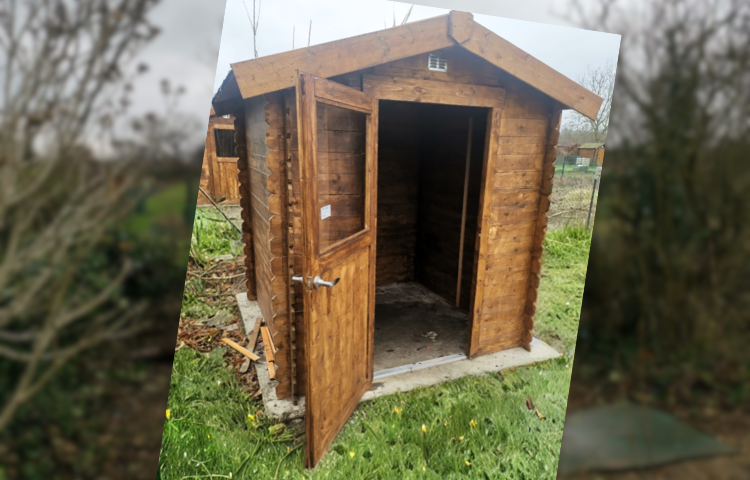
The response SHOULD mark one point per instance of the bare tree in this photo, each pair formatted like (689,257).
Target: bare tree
(601,81)
(254,21)
(64,82)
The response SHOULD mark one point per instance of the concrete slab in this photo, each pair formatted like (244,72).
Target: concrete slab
(280,410)
(250,311)
(419,374)
(495,362)
(413,325)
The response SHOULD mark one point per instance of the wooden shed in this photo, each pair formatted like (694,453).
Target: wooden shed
(219,171)
(594,151)
(422,155)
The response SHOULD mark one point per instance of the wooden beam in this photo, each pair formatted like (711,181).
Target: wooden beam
(463,214)
(460,26)
(276,72)
(520,64)
(432,91)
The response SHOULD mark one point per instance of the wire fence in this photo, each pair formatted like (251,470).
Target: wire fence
(574,192)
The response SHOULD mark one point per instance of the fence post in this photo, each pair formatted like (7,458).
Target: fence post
(591,204)
(563,170)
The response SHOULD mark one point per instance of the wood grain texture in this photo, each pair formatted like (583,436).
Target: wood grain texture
(432,91)
(338,321)
(442,174)
(548,173)
(460,26)
(517,184)
(243,181)
(398,186)
(277,72)
(476,305)
(523,66)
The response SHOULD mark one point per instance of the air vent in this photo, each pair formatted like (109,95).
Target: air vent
(437,64)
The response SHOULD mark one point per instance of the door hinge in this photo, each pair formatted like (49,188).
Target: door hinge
(309,284)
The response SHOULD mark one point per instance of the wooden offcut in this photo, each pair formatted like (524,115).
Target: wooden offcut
(240,349)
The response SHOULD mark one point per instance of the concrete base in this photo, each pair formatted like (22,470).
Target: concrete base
(424,373)
(406,317)
(425,377)
(249,310)
(279,410)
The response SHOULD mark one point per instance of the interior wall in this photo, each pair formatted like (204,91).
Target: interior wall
(421,169)
(444,143)
(399,141)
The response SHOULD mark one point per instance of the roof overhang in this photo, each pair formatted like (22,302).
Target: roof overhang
(276,72)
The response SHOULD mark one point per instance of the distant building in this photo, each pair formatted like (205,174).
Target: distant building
(594,151)
(219,172)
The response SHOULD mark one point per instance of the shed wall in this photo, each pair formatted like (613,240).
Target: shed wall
(525,142)
(523,169)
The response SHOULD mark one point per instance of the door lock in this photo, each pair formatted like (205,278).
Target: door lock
(319,282)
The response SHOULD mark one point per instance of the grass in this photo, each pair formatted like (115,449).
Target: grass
(566,253)
(473,428)
(212,236)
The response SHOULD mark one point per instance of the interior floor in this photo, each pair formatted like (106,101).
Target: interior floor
(407,315)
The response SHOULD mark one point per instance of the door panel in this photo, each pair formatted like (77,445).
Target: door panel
(337,128)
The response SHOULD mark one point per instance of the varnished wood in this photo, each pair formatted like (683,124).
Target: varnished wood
(431,91)
(276,72)
(463,214)
(482,242)
(338,321)
(460,26)
(523,66)
(336,59)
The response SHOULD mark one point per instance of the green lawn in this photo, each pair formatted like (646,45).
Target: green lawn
(475,427)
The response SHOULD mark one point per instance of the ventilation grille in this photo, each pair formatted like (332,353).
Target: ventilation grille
(437,64)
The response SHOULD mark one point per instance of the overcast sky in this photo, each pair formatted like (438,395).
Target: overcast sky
(186,51)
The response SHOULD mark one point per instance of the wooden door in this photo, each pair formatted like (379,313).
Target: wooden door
(337,134)
(225,171)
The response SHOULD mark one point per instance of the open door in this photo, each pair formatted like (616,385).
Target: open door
(337,134)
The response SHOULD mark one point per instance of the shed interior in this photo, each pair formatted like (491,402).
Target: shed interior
(422,167)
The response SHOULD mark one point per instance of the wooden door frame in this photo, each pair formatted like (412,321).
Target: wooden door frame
(464,95)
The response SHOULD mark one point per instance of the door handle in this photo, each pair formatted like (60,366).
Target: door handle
(319,282)
(297,279)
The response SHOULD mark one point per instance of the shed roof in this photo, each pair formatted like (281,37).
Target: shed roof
(277,72)
(591,145)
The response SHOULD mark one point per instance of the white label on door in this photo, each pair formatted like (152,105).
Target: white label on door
(325,212)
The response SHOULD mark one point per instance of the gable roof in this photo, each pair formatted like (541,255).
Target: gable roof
(277,72)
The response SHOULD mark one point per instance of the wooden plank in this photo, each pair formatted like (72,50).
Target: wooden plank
(463,214)
(277,72)
(460,25)
(267,339)
(268,349)
(482,242)
(240,349)
(430,91)
(523,66)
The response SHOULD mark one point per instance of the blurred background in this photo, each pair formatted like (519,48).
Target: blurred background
(103,120)
(664,321)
